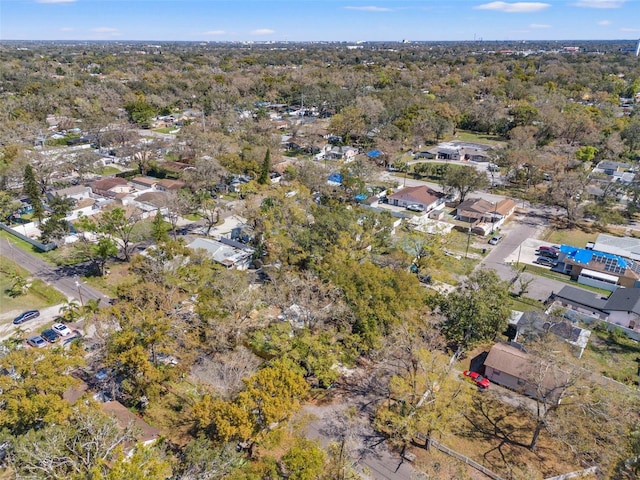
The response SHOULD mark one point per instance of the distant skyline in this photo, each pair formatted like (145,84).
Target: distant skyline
(318,20)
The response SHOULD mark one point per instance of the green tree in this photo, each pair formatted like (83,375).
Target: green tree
(631,135)
(140,111)
(476,312)
(423,397)
(304,460)
(31,189)
(463,180)
(586,153)
(159,228)
(8,205)
(56,226)
(263,179)
(144,463)
(33,395)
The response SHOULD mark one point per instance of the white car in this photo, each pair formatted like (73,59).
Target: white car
(61,329)
(416,207)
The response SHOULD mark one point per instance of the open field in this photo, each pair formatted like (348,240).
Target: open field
(614,356)
(575,237)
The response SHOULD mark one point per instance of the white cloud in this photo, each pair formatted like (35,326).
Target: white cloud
(263,31)
(633,30)
(106,31)
(517,7)
(369,9)
(55,1)
(539,25)
(599,3)
(214,32)
(66,29)
(604,23)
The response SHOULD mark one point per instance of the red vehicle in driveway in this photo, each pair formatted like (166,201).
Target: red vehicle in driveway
(478,379)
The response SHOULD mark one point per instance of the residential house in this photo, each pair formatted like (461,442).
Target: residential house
(621,308)
(628,247)
(170,185)
(610,168)
(348,154)
(480,211)
(529,326)
(461,151)
(110,187)
(426,197)
(77,193)
(144,182)
(583,302)
(144,433)
(598,269)
(226,252)
(510,366)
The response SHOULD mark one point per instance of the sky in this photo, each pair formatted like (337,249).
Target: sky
(318,20)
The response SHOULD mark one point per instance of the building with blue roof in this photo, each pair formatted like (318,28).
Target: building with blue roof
(599,269)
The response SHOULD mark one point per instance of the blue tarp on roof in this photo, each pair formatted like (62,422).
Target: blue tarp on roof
(374,153)
(584,256)
(335,177)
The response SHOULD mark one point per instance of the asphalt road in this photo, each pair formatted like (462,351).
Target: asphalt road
(528,223)
(64,279)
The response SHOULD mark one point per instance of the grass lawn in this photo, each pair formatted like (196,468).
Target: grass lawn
(576,237)
(478,441)
(613,356)
(164,130)
(21,244)
(525,304)
(39,295)
(108,170)
(465,136)
(108,284)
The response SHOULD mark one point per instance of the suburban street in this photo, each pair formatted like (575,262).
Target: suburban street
(65,279)
(527,223)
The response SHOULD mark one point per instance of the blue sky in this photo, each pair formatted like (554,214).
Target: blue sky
(317,20)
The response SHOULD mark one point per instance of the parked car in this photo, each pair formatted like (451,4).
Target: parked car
(61,329)
(37,341)
(26,316)
(492,167)
(476,378)
(546,261)
(415,207)
(50,336)
(548,251)
(495,239)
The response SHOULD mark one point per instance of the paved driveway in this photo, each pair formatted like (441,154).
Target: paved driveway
(518,246)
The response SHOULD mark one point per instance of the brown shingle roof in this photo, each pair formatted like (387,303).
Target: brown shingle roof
(108,183)
(126,418)
(419,194)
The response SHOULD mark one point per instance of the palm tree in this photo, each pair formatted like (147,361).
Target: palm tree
(70,311)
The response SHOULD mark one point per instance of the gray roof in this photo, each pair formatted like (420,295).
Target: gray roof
(624,246)
(533,323)
(578,296)
(624,300)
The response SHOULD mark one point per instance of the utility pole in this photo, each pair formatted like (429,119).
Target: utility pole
(468,241)
(79,292)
